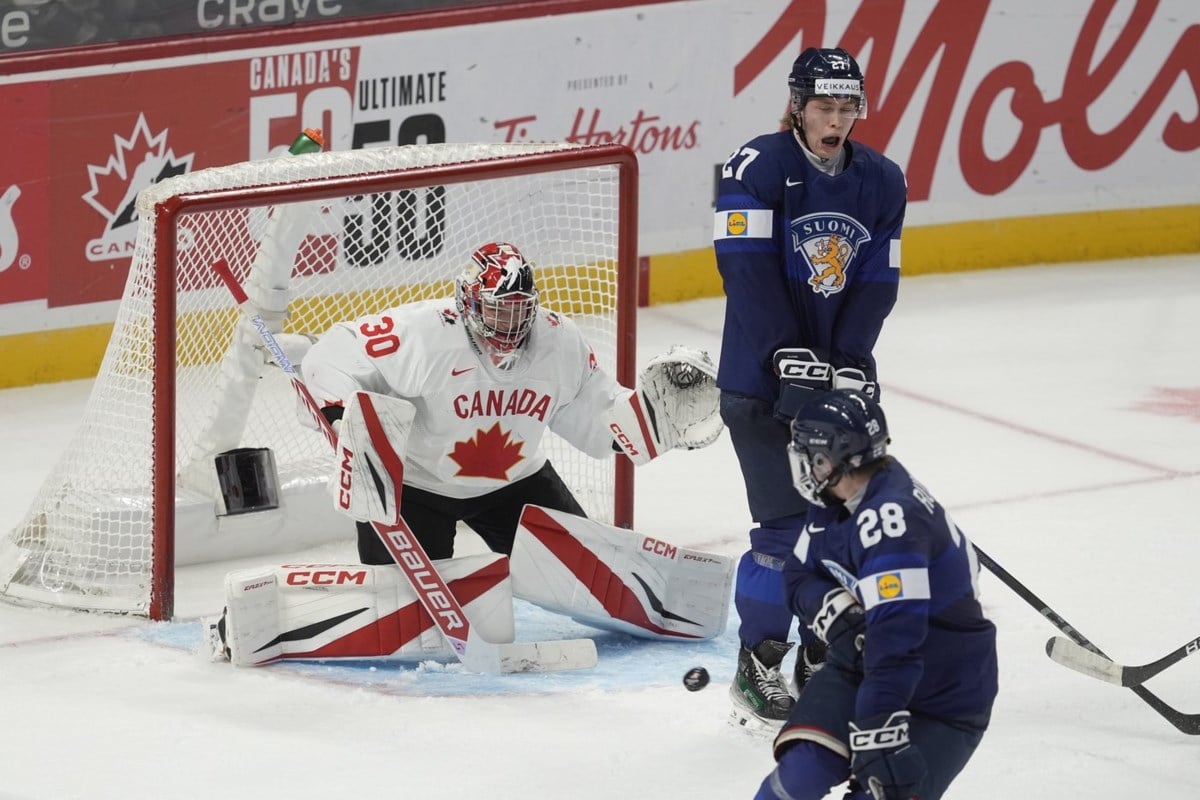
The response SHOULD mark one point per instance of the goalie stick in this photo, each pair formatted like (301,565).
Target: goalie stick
(476,653)
(1073,656)
(1185,723)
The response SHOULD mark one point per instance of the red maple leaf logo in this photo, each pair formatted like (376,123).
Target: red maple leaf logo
(1173,402)
(487,454)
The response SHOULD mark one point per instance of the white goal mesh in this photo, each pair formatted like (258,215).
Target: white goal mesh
(314,239)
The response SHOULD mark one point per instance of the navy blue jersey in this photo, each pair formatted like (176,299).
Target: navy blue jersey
(807,260)
(928,647)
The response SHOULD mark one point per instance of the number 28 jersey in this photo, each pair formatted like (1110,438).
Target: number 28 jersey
(928,648)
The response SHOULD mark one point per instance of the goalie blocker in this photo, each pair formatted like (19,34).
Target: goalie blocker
(606,577)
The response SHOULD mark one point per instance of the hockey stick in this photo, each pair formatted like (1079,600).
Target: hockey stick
(476,653)
(1185,723)
(240,368)
(1080,659)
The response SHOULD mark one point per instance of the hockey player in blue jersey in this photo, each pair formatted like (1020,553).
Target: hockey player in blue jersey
(886,579)
(807,241)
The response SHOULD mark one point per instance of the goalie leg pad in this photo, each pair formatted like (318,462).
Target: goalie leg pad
(614,579)
(356,611)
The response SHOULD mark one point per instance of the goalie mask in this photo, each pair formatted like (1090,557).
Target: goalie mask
(834,433)
(498,300)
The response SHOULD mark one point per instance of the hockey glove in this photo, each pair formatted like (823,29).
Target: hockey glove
(676,405)
(800,374)
(841,624)
(681,384)
(852,378)
(882,759)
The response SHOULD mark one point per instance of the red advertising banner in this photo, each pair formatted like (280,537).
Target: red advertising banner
(117,134)
(24,224)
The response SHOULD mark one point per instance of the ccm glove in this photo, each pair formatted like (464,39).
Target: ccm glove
(883,760)
(854,378)
(841,623)
(800,374)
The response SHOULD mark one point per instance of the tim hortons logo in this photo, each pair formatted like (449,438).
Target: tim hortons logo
(136,163)
(8,229)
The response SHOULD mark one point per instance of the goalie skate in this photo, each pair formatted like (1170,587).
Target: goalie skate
(214,638)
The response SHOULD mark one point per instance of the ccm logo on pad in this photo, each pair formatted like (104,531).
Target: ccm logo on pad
(327,577)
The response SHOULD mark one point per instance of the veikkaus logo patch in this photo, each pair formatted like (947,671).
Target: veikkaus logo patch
(135,164)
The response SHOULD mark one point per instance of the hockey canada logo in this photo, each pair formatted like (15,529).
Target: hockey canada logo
(9,242)
(828,244)
(136,163)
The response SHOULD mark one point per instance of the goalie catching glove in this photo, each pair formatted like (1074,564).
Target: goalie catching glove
(369,473)
(676,405)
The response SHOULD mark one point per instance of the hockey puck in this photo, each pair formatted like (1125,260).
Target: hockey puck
(683,376)
(695,679)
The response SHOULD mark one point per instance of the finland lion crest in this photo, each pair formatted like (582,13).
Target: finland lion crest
(828,243)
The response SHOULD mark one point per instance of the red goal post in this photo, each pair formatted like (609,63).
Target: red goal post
(315,239)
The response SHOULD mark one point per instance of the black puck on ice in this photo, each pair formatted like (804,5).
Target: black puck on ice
(695,679)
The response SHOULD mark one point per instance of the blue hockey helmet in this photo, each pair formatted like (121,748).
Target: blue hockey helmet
(833,433)
(826,72)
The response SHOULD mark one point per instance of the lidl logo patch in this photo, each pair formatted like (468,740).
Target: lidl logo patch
(889,586)
(736,223)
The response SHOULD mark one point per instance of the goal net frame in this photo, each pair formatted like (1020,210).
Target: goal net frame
(170,207)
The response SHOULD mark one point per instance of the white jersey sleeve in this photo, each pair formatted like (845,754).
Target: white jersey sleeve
(581,419)
(337,366)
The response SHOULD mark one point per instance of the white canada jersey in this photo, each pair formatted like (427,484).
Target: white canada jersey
(477,427)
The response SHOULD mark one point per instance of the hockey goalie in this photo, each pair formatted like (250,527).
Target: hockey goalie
(440,407)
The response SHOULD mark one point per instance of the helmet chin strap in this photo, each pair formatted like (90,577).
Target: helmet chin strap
(830,166)
(505,361)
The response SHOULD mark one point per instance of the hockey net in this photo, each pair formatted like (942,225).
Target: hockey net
(314,239)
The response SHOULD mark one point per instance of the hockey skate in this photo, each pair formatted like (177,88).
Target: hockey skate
(759,692)
(809,658)
(214,638)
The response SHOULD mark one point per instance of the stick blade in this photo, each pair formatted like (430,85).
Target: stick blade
(552,656)
(1078,658)
(559,655)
